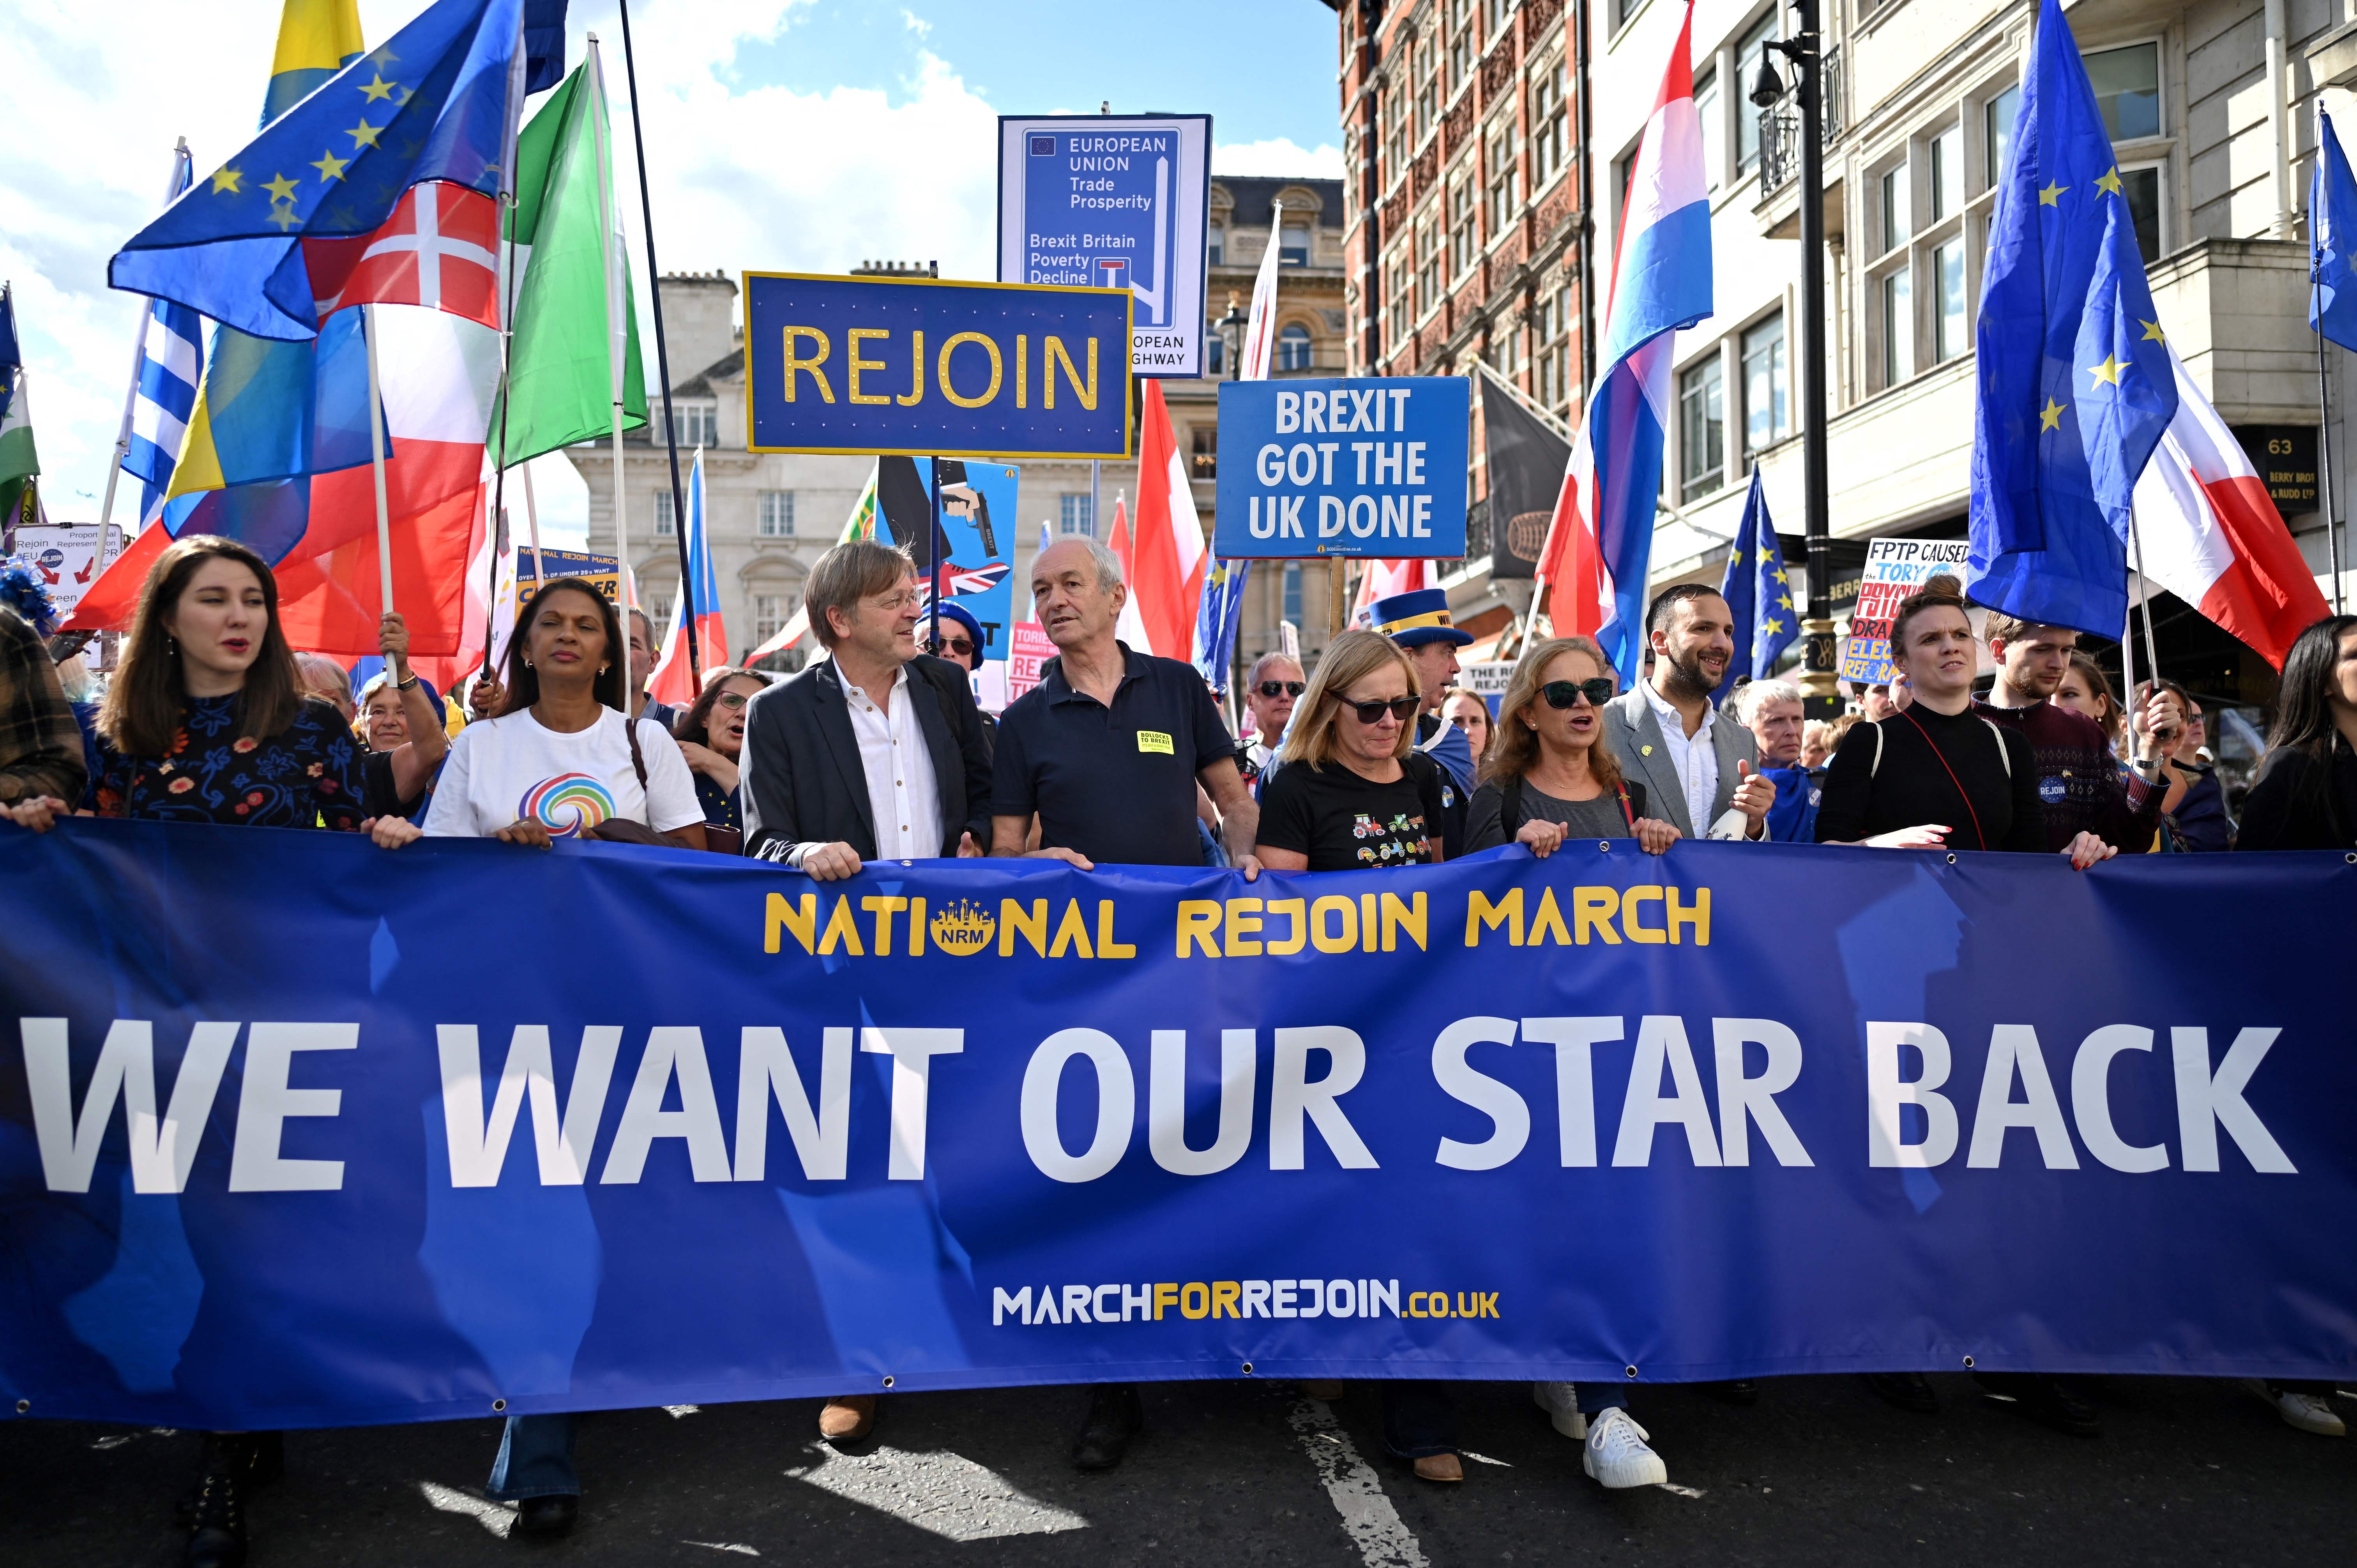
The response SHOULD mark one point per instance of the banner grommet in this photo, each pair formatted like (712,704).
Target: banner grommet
(1630,1371)
(1247,1369)
(888,1379)
(499,1406)
(1968,1361)
(24,1407)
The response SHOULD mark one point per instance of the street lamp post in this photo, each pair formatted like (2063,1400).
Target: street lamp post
(1805,52)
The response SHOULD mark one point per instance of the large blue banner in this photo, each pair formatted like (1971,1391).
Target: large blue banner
(299,1132)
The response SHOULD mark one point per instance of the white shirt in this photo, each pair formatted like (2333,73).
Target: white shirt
(1694,758)
(514,768)
(903,795)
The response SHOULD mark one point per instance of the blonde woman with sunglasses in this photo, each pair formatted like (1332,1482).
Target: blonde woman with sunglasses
(1547,776)
(1354,794)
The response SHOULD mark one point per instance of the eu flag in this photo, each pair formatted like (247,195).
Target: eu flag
(2333,238)
(1760,591)
(436,103)
(2076,386)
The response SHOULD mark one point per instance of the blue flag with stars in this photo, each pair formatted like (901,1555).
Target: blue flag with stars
(434,103)
(1760,591)
(2075,387)
(2333,238)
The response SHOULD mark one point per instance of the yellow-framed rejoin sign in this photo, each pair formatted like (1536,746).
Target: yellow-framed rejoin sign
(912,367)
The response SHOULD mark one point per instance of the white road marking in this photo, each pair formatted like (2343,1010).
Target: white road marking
(1682,1491)
(1368,1516)
(676,1411)
(944,1493)
(1484,1458)
(724,1546)
(496,1517)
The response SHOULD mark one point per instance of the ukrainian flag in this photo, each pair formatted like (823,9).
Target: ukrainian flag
(271,410)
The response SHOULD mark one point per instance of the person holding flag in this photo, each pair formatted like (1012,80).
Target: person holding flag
(1758,594)
(1599,546)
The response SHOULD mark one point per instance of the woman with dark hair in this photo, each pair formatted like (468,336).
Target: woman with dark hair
(711,736)
(1547,776)
(560,760)
(2305,794)
(2086,690)
(1903,781)
(206,721)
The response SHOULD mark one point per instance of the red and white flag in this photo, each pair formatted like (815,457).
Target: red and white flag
(1129,626)
(1166,575)
(2210,533)
(1260,327)
(1382,579)
(439,249)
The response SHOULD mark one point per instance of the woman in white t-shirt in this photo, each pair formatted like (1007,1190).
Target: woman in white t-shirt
(561,761)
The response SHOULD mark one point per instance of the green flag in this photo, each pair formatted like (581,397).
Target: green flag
(18,461)
(560,365)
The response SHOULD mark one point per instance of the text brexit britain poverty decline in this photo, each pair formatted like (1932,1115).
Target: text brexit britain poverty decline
(1371,465)
(917,367)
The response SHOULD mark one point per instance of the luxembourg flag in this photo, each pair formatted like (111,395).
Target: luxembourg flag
(1601,538)
(2210,533)
(672,681)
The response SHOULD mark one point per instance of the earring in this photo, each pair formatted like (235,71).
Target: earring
(527,663)
(603,668)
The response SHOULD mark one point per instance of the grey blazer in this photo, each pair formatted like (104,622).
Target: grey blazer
(1634,734)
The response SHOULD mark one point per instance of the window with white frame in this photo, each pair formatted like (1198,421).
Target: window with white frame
(1216,244)
(1551,347)
(1897,326)
(1498,163)
(1401,298)
(1498,13)
(2127,89)
(1947,172)
(1997,116)
(696,424)
(1714,144)
(1702,428)
(1749,53)
(1461,246)
(1548,145)
(1293,593)
(1898,209)
(1293,347)
(769,617)
(666,524)
(1460,42)
(1293,245)
(661,603)
(1396,122)
(776,514)
(1432,286)
(1951,328)
(2140,187)
(1073,516)
(1767,385)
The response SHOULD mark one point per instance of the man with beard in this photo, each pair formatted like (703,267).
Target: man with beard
(1701,773)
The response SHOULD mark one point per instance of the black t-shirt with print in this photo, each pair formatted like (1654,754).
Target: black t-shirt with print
(1343,822)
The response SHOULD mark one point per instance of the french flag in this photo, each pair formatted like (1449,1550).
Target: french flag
(672,682)
(1601,538)
(2210,533)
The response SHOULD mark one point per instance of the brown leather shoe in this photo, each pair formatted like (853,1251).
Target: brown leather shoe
(848,1418)
(1439,1467)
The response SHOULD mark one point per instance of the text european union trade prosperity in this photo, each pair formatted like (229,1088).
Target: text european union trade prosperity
(303,1133)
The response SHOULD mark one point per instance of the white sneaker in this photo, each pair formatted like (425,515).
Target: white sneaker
(1561,1401)
(1616,1454)
(2310,1412)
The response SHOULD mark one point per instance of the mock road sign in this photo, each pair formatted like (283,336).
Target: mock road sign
(1374,465)
(1113,201)
(909,367)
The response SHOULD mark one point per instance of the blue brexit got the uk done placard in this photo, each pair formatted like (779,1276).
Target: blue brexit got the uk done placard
(909,367)
(1374,465)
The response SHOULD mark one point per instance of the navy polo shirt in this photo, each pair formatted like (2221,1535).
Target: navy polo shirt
(1116,784)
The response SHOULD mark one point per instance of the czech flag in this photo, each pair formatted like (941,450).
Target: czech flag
(1601,538)
(674,681)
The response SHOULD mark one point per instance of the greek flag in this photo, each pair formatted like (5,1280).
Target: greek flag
(171,361)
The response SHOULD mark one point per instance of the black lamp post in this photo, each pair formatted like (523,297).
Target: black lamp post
(1231,334)
(1805,52)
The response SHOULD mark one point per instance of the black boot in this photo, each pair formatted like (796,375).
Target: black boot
(1114,1416)
(551,1515)
(216,1521)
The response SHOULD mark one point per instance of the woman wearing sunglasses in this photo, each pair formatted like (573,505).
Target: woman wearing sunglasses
(1547,776)
(1354,793)
(712,737)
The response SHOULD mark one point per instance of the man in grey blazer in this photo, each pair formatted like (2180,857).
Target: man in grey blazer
(1700,768)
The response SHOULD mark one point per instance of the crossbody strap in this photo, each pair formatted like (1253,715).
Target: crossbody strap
(1978,831)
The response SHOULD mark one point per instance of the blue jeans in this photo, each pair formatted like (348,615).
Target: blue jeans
(1595,1399)
(1419,1418)
(536,1460)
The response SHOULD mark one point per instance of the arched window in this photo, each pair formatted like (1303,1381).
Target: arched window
(1293,347)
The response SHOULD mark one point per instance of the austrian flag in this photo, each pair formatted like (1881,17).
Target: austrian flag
(439,249)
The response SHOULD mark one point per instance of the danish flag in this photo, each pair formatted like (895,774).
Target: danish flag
(439,249)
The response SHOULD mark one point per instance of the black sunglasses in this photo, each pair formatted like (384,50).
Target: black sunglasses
(957,645)
(1565,693)
(1290,688)
(1399,708)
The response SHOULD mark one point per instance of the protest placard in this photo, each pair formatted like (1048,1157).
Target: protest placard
(67,557)
(1894,569)
(1371,465)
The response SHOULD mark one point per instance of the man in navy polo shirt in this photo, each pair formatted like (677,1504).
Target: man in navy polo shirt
(1107,751)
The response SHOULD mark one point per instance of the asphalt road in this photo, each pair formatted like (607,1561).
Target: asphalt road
(2186,1473)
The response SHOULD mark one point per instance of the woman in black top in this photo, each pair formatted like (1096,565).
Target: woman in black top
(1354,793)
(1936,775)
(2306,795)
(712,737)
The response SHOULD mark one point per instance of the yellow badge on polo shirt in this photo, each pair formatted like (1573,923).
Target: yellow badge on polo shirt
(1155,740)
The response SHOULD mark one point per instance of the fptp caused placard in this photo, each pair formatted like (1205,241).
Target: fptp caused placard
(914,366)
(1368,467)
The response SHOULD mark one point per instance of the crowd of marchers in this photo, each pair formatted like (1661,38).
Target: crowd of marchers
(878,751)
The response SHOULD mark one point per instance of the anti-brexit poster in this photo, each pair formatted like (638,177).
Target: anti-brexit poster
(972,534)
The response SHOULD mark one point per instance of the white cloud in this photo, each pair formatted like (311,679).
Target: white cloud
(1278,158)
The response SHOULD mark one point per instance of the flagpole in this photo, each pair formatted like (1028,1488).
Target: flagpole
(662,362)
(616,357)
(2143,600)
(376,463)
(938,537)
(138,359)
